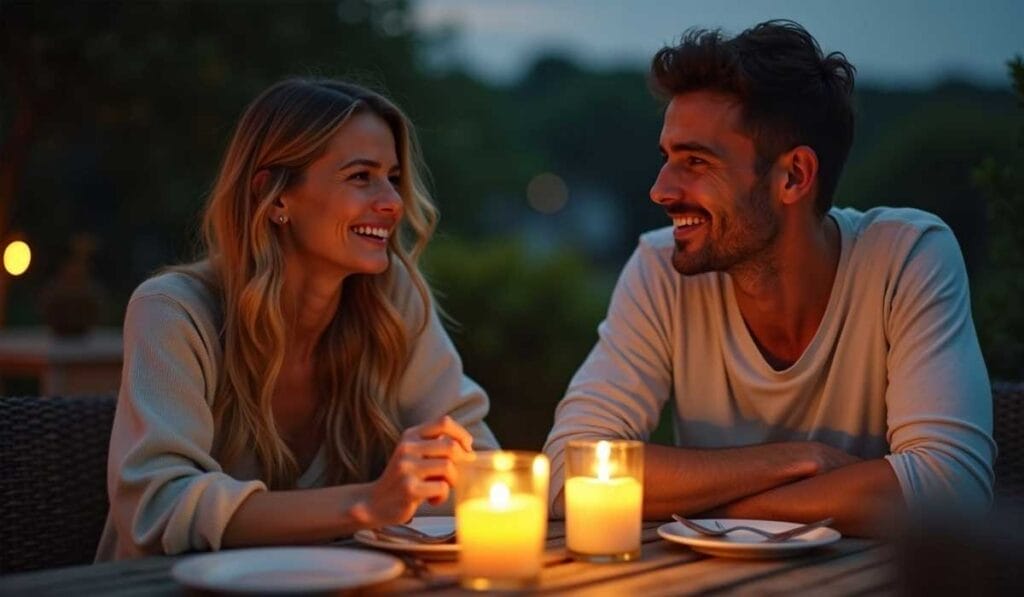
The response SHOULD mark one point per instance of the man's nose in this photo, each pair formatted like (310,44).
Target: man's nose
(663,191)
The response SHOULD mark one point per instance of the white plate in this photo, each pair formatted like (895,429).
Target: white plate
(745,544)
(434,525)
(286,569)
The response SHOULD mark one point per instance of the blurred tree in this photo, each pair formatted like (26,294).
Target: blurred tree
(117,112)
(916,149)
(600,129)
(522,326)
(999,302)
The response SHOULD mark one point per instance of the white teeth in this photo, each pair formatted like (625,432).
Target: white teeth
(382,233)
(678,221)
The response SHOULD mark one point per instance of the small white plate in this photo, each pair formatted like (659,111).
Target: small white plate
(745,544)
(434,525)
(286,569)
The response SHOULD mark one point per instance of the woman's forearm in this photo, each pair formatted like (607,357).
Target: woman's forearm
(296,516)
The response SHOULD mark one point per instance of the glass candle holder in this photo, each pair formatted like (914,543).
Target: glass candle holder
(604,482)
(501,518)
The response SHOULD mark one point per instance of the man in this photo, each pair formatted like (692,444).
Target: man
(821,361)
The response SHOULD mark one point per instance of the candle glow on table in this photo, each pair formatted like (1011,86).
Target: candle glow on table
(502,525)
(604,509)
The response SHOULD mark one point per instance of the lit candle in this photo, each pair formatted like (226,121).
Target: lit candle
(501,520)
(603,507)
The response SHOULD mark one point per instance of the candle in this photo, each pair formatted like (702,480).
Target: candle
(604,506)
(501,519)
(603,515)
(491,530)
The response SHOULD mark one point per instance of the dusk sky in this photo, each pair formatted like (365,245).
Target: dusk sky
(892,42)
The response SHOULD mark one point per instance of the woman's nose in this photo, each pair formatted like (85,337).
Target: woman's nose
(389,201)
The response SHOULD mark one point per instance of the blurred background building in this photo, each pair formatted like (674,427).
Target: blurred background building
(537,127)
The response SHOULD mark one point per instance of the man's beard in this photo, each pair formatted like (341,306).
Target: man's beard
(742,235)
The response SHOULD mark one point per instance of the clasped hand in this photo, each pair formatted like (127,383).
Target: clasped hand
(421,469)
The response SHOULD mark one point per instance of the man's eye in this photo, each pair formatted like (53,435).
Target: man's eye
(695,161)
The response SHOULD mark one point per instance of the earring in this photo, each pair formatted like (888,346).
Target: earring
(282,219)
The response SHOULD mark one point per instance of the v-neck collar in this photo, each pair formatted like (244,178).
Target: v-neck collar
(311,477)
(826,327)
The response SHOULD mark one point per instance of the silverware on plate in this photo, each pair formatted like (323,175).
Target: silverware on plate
(769,537)
(407,533)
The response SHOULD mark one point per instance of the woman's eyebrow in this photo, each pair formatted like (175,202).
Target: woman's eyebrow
(360,162)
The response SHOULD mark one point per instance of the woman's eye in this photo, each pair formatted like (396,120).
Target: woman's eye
(395,180)
(360,176)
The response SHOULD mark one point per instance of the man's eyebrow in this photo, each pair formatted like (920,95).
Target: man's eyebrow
(692,146)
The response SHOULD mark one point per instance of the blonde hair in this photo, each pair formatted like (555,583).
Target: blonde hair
(364,350)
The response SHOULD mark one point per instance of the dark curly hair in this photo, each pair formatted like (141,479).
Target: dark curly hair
(791,94)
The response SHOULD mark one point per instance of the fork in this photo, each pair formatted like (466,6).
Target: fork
(769,537)
(408,533)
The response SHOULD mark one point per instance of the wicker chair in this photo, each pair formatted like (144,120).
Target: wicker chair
(53,470)
(1008,419)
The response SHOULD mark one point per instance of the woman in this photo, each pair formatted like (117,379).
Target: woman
(266,388)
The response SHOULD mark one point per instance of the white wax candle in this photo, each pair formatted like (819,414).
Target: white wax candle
(501,536)
(603,516)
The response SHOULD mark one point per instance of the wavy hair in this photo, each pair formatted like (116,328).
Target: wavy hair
(791,93)
(365,348)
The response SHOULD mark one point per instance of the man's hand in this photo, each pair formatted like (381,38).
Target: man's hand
(686,480)
(829,458)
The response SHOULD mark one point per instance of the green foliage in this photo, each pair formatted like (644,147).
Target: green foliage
(130,105)
(916,149)
(999,304)
(523,326)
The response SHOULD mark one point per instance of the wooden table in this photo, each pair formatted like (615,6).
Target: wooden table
(89,364)
(848,567)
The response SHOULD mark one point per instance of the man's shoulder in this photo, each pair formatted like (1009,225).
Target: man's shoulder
(878,223)
(892,235)
(657,244)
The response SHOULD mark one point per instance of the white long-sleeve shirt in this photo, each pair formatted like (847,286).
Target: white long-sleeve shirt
(168,494)
(894,370)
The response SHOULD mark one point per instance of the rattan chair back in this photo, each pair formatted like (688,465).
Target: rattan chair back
(53,471)
(1008,427)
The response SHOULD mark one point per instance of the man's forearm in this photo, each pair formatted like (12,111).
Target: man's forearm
(684,481)
(865,500)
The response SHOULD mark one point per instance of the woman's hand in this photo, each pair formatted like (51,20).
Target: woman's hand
(422,468)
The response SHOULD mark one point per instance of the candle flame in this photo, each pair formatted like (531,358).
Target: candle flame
(503,461)
(500,495)
(604,467)
(540,467)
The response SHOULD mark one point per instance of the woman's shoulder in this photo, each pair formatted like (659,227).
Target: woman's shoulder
(412,301)
(188,285)
(181,292)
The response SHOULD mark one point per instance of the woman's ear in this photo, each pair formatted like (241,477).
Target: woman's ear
(278,213)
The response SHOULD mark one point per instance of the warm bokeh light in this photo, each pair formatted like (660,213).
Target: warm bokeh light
(547,193)
(17,256)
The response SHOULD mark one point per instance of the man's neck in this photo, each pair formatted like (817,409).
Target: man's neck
(783,295)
